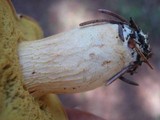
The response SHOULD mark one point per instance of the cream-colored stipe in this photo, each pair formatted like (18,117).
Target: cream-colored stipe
(79,60)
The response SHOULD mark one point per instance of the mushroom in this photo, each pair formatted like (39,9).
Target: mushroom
(75,61)
(15,101)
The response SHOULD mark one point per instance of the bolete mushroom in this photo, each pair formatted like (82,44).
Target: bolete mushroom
(75,61)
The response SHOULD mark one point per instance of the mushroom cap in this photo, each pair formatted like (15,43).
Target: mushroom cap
(15,100)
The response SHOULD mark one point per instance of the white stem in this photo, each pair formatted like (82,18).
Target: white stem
(75,61)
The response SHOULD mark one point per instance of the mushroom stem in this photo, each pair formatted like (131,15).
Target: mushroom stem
(79,60)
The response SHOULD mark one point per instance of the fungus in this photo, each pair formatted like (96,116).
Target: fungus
(75,61)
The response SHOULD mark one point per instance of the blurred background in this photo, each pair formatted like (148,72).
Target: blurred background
(119,101)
